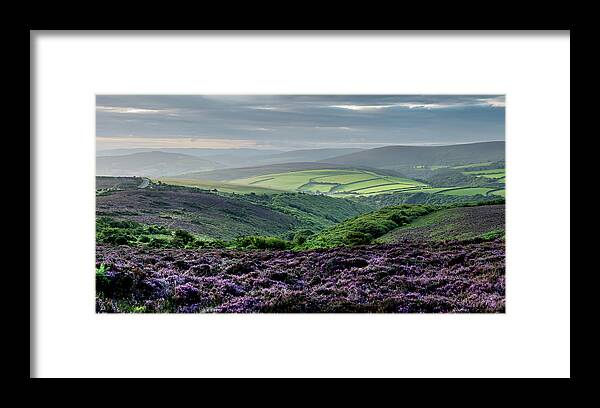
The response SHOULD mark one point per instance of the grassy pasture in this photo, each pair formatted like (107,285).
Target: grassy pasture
(289,181)
(370,182)
(466,166)
(317,187)
(482,172)
(348,178)
(223,187)
(467,191)
(495,173)
(384,187)
(498,176)
(340,182)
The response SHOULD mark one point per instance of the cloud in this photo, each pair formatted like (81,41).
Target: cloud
(408,105)
(346,128)
(495,102)
(269,108)
(255,129)
(282,120)
(459,102)
(121,109)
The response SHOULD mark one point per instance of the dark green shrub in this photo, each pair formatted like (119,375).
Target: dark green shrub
(218,243)
(182,239)
(260,242)
(120,240)
(158,243)
(301,236)
(358,238)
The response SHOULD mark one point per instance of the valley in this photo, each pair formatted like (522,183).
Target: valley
(199,235)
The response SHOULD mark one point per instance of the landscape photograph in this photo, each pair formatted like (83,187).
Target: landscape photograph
(300,204)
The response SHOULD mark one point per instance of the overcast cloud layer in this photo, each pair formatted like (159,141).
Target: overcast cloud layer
(296,122)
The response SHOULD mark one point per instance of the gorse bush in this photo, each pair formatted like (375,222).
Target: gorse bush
(183,239)
(119,232)
(299,237)
(259,242)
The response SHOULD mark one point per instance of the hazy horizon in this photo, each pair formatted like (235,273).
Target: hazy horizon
(295,122)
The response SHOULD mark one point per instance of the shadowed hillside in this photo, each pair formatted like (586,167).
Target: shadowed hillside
(206,214)
(224,216)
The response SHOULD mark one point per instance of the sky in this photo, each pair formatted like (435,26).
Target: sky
(288,122)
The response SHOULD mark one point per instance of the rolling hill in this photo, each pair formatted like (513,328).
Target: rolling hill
(304,155)
(461,223)
(151,164)
(222,216)
(242,157)
(205,214)
(397,157)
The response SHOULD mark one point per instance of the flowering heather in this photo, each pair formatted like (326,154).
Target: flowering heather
(406,277)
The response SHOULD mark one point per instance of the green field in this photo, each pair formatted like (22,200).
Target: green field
(501,193)
(449,191)
(341,178)
(492,174)
(330,181)
(341,183)
(485,172)
(317,187)
(496,175)
(466,191)
(223,187)
(466,166)
(385,187)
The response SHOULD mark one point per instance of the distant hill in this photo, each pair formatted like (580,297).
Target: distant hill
(193,151)
(151,164)
(242,157)
(396,157)
(305,155)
